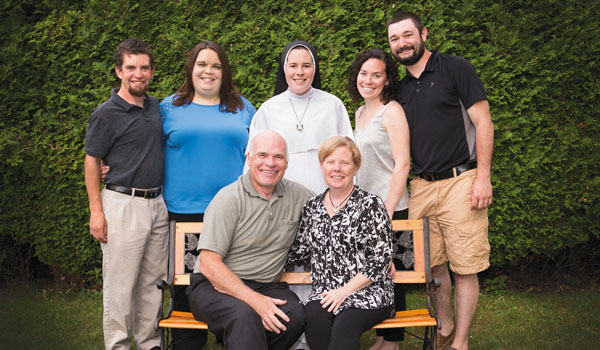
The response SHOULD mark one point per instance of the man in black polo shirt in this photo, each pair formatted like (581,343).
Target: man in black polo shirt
(451,142)
(129,217)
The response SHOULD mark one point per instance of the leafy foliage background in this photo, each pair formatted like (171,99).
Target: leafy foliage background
(538,60)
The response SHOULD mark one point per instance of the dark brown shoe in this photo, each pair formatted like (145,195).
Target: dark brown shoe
(444,342)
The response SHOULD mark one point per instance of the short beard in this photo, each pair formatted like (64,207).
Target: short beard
(137,93)
(415,57)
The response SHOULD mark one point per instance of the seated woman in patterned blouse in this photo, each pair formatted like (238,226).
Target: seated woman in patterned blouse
(346,234)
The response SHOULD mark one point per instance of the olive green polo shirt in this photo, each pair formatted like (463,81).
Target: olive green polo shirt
(251,232)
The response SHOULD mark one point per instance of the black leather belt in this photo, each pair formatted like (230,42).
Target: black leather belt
(449,173)
(151,193)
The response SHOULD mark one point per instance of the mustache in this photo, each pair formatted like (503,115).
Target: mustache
(405,48)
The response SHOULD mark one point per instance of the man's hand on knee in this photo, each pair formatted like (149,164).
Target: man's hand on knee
(270,314)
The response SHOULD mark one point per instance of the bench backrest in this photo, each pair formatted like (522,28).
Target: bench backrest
(420,274)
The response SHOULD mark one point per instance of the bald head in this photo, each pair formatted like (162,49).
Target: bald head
(267,161)
(267,136)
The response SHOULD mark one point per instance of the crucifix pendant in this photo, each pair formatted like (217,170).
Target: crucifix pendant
(299,127)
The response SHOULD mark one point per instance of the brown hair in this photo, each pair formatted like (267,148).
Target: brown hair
(231,100)
(391,74)
(401,16)
(133,46)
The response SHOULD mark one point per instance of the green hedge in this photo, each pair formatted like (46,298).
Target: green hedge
(538,61)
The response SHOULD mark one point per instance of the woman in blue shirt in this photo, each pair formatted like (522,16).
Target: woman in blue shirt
(205,131)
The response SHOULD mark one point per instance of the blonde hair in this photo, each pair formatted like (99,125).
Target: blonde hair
(334,142)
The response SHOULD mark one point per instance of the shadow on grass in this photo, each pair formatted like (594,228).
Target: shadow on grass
(34,317)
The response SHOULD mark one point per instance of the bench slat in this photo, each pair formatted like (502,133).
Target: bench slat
(304,278)
(180,319)
(409,318)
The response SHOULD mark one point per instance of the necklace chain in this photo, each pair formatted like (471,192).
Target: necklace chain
(300,126)
(336,208)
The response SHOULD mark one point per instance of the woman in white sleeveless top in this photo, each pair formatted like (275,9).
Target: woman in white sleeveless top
(382,136)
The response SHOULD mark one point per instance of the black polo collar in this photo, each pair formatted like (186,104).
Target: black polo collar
(429,66)
(126,106)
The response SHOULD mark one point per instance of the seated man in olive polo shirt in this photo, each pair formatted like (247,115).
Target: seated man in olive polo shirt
(248,229)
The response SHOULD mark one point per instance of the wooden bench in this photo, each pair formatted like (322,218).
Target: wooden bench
(409,318)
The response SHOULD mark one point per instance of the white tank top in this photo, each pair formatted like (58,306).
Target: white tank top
(375,173)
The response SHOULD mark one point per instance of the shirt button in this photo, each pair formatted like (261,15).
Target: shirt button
(418,90)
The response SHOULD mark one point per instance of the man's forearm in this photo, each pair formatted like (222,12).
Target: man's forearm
(222,278)
(485,145)
(98,226)
(92,183)
(481,191)
(484,136)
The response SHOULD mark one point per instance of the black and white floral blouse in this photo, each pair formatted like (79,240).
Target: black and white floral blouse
(356,239)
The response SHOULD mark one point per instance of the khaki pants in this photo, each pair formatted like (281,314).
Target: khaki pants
(457,233)
(133,259)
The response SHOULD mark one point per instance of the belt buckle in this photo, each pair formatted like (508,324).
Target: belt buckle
(460,169)
(428,177)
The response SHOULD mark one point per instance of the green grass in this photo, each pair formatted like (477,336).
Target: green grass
(36,318)
(54,318)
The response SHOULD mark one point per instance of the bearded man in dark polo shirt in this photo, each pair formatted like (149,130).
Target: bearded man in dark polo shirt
(451,142)
(129,217)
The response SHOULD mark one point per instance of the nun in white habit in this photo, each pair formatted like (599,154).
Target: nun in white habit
(303,113)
